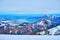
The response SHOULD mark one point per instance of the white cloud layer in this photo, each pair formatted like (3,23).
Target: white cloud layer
(30,6)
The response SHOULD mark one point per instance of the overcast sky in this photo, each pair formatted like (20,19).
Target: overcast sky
(30,6)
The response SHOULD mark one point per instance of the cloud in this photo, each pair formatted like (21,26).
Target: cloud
(30,6)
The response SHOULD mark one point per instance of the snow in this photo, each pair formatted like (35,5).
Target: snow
(29,37)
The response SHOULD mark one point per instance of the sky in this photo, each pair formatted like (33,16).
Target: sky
(29,6)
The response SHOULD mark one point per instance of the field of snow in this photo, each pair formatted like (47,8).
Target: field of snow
(29,37)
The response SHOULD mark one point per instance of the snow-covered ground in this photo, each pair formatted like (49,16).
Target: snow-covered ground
(29,37)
